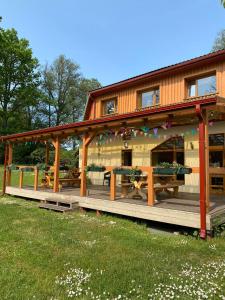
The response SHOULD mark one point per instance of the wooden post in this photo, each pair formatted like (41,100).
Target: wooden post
(207,161)
(10,155)
(113,186)
(56,144)
(21,179)
(5,169)
(151,193)
(202,174)
(36,172)
(83,185)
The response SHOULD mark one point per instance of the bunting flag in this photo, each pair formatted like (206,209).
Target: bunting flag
(127,133)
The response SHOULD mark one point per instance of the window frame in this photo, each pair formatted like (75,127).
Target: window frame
(103,103)
(139,97)
(195,79)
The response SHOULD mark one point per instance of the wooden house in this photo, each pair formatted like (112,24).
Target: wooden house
(163,119)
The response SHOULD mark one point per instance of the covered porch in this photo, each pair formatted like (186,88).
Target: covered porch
(198,210)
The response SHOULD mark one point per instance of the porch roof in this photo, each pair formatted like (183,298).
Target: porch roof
(117,120)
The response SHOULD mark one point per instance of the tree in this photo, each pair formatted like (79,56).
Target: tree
(19,81)
(80,94)
(223,3)
(219,42)
(59,81)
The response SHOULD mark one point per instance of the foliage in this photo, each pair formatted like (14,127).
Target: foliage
(70,157)
(219,42)
(223,3)
(94,168)
(173,168)
(126,171)
(19,81)
(65,91)
(31,98)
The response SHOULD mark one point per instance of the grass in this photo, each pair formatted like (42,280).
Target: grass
(47,255)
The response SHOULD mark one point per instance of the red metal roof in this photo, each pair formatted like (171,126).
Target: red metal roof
(194,62)
(106,120)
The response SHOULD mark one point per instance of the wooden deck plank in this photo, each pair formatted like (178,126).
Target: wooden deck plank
(125,207)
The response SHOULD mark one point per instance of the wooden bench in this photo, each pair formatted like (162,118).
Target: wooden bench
(158,188)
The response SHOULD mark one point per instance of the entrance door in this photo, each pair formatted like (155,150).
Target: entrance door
(127,158)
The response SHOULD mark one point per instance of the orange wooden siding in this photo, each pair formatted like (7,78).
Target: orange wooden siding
(172,89)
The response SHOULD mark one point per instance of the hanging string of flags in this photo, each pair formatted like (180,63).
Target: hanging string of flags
(127,133)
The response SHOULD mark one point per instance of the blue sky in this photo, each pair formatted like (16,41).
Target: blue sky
(116,39)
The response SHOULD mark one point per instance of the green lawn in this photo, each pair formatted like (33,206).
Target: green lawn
(47,255)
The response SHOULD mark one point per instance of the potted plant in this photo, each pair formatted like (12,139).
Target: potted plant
(126,171)
(174,168)
(94,168)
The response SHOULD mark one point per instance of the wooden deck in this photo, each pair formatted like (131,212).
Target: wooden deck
(182,211)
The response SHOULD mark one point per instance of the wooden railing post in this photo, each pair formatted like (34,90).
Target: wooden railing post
(36,172)
(10,158)
(56,144)
(21,179)
(5,169)
(113,186)
(151,193)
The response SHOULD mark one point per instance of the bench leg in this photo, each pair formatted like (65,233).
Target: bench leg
(175,191)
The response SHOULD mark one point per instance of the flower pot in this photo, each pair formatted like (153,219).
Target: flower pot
(95,169)
(127,172)
(172,171)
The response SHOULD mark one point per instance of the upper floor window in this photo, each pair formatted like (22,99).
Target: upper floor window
(202,86)
(149,98)
(109,106)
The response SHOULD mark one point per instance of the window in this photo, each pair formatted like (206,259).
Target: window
(216,139)
(202,86)
(149,98)
(109,106)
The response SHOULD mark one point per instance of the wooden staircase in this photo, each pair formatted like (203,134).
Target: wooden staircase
(60,205)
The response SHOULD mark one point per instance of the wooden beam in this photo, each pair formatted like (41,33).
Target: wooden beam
(5,169)
(83,185)
(207,161)
(113,186)
(36,172)
(10,158)
(56,144)
(202,176)
(151,193)
(21,179)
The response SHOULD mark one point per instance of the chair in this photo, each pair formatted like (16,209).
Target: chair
(107,177)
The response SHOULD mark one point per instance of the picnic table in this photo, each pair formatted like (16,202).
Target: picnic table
(138,184)
(71,177)
(162,183)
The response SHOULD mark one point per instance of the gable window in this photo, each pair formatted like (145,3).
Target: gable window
(202,86)
(149,98)
(109,106)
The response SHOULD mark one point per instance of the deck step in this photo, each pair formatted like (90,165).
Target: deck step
(55,207)
(60,205)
